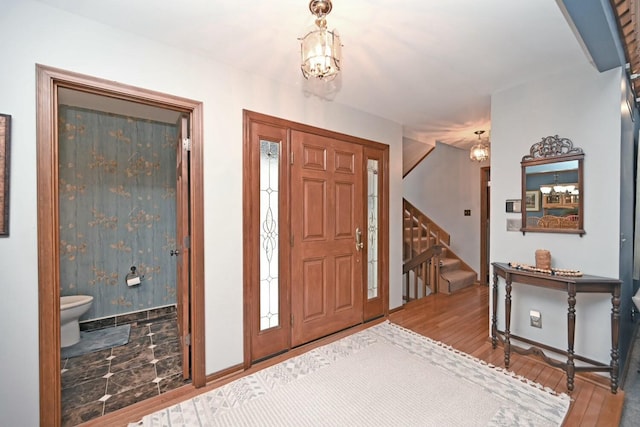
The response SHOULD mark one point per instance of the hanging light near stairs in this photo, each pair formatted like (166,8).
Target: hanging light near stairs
(480,151)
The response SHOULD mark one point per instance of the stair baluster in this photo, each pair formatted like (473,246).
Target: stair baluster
(425,246)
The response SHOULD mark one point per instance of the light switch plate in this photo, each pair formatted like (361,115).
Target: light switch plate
(536,318)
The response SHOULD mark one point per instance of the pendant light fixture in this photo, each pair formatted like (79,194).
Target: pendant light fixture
(320,48)
(558,193)
(480,151)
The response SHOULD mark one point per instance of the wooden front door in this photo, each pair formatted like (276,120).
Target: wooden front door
(327,227)
(305,194)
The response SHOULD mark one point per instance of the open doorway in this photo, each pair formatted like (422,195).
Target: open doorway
(67,102)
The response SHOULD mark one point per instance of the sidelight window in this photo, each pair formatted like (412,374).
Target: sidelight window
(269,200)
(372,227)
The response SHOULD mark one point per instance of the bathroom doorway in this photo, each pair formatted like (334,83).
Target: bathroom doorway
(57,90)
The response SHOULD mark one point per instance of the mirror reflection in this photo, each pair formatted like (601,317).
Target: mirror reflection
(552,190)
(553,195)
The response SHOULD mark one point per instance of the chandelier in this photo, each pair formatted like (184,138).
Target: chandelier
(320,48)
(558,193)
(480,151)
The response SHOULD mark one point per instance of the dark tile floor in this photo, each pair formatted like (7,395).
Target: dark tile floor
(104,381)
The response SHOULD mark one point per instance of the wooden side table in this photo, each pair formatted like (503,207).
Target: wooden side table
(572,286)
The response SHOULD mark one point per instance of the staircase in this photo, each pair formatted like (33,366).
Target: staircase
(454,274)
(428,260)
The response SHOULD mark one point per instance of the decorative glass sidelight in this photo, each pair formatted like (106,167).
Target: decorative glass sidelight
(372,227)
(269,200)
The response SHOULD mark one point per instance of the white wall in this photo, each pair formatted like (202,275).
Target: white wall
(584,106)
(442,186)
(35,33)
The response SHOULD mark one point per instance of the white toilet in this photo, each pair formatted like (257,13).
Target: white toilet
(71,308)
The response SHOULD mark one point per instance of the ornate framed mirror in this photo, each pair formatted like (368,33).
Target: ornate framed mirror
(553,188)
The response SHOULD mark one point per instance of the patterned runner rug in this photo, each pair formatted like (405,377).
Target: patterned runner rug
(383,376)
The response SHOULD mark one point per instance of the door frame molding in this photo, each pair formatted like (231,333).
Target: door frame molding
(485,180)
(48,80)
(251,256)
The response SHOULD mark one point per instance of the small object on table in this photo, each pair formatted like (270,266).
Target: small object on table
(543,259)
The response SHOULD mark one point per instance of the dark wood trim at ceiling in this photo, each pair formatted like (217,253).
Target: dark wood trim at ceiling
(626,13)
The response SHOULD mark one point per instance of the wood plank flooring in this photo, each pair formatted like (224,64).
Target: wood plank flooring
(460,320)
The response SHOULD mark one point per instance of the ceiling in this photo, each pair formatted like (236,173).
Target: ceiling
(429,65)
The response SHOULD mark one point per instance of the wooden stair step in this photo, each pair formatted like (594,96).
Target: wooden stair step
(416,232)
(457,279)
(423,239)
(449,264)
(408,221)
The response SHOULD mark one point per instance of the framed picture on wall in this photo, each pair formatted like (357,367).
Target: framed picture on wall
(532,200)
(5,141)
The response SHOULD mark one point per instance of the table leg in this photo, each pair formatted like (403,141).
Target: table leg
(507,319)
(571,322)
(494,314)
(615,328)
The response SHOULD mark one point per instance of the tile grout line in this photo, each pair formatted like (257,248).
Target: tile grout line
(106,386)
(110,357)
(155,365)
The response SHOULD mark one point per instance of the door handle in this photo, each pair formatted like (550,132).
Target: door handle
(359,244)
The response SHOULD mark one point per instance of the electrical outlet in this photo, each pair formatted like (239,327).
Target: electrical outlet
(536,318)
(467,212)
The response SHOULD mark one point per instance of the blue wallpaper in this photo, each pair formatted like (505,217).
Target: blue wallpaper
(117,207)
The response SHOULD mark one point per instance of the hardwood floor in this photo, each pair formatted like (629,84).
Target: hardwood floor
(460,320)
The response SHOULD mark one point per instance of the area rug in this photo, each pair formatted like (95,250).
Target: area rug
(99,339)
(383,376)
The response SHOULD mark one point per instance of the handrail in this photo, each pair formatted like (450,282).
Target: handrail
(424,241)
(424,221)
(417,162)
(421,258)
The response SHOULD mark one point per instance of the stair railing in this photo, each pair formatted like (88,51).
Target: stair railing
(424,269)
(421,234)
(423,221)
(423,243)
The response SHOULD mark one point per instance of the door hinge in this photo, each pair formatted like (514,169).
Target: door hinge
(291,158)
(186,144)
(187,242)
(187,339)
(291,240)
(292,320)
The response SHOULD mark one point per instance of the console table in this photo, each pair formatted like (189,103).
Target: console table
(572,286)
